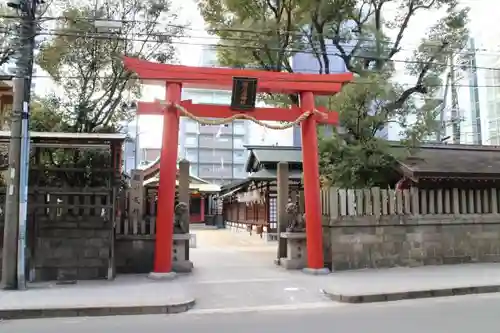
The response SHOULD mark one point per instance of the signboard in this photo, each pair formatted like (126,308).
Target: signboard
(136,194)
(244,93)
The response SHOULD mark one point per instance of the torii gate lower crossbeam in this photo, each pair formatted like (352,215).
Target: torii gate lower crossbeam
(306,85)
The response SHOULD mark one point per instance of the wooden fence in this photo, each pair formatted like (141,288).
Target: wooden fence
(56,203)
(377,201)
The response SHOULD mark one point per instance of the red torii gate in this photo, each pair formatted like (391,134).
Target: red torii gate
(175,77)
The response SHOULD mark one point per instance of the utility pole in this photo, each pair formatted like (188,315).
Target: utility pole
(15,213)
(9,255)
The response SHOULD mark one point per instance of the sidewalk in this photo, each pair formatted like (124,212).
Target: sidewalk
(382,285)
(130,294)
(235,271)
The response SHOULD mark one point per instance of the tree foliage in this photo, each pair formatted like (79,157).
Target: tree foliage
(86,63)
(268,33)
(7,37)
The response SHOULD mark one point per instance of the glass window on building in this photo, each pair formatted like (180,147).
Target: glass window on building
(191,140)
(238,142)
(494,140)
(239,127)
(206,168)
(192,155)
(191,126)
(193,170)
(239,155)
(239,171)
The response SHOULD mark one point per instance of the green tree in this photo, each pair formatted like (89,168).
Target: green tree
(10,27)
(45,115)
(268,33)
(86,63)
(7,37)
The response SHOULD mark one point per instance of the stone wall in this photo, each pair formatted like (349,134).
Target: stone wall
(72,249)
(134,254)
(388,241)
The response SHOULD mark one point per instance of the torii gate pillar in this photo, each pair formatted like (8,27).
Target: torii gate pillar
(312,198)
(167,184)
(307,85)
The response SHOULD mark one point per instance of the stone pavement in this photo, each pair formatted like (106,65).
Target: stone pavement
(378,285)
(241,273)
(235,272)
(132,294)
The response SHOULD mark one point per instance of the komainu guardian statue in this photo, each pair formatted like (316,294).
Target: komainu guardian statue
(181,218)
(296,222)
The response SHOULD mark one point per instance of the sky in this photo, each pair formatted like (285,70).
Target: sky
(483,14)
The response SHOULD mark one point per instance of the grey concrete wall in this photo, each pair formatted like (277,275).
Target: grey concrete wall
(390,241)
(134,254)
(76,248)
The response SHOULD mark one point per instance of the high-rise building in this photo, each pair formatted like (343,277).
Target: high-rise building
(489,97)
(216,152)
(307,62)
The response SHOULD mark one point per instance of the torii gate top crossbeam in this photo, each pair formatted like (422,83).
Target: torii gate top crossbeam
(222,78)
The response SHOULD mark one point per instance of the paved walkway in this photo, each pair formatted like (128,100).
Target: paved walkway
(401,279)
(129,290)
(234,271)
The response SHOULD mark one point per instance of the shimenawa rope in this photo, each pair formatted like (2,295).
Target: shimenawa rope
(223,121)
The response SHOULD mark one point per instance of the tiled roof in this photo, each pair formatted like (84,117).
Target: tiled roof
(266,174)
(453,161)
(272,154)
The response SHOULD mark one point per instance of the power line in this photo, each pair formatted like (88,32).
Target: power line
(466,50)
(302,81)
(299,51)
(236,30)
(166,36)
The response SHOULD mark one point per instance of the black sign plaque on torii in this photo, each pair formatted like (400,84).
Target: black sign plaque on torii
(244,93)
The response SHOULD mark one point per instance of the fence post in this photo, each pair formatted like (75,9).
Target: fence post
(376,201)
(494,201)
(414,192)
(479,207)
(456,201)
(447,199)
(368,201)
(343,201)
(334,203)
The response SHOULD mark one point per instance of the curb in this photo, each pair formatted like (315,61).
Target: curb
(407,295)
(95,311)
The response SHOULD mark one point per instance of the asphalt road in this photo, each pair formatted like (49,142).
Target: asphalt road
(464,314)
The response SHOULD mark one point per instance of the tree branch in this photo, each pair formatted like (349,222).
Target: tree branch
(418,87)
(319,27)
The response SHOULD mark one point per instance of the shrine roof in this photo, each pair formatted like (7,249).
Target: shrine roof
(69,140)
(452,161)
(151,170)
(272,154)
(71,136)
(200,187)
(267,174)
